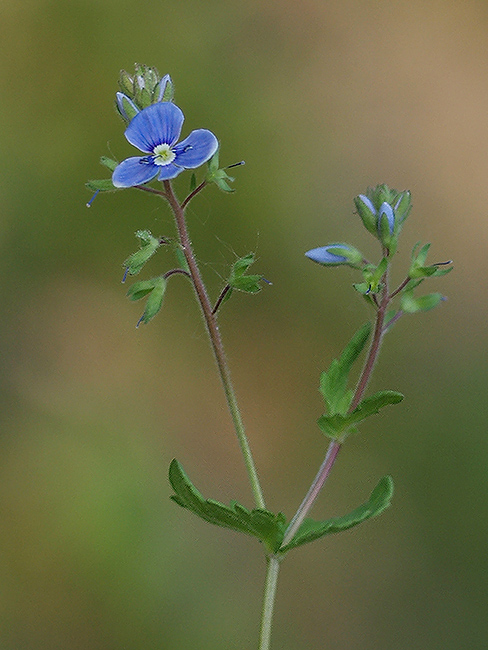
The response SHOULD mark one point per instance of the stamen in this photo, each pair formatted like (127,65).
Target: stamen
(88,205)
(125,275)
(242,162)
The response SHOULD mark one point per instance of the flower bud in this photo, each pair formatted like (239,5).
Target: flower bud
(146,87)
(403,206)
(164,90)
(126,107)
(335,254)
(126,83)
(367,212)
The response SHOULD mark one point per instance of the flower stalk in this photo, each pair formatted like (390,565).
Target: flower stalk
(210,319)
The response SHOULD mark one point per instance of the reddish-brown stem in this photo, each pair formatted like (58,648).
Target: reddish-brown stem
(397,291)
(223,293)
(168,274)
(152,190)
(192,194)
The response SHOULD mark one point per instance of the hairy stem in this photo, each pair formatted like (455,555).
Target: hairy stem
(216,341)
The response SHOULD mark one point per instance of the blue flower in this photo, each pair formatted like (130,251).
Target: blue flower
(155,131)
(335,254)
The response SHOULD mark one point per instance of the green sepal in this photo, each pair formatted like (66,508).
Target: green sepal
(311,530)
(101,185)
(411,305)
(154,290)
(333,382)
(239,280)
(193,182)
(218,176)
(372,278)
(180,256)
(148,246)
(418,269)
(108,162)
(263,524)
(126,83)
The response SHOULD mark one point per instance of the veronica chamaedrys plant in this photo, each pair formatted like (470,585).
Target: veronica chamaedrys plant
(145,103)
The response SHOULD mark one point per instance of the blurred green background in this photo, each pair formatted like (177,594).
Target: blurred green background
(321,99)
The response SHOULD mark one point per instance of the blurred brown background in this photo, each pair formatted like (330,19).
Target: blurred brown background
(321,99)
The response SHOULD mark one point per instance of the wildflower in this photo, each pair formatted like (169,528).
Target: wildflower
(155,131)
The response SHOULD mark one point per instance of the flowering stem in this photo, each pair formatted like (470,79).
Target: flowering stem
(215,339)
(335,445)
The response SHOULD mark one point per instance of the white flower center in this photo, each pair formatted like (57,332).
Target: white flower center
(163,155)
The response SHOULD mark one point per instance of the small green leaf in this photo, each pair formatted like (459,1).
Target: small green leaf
(218,176)
(154,301)
(444,271)
(374,274)
(148,246)
(239,280)
(260,523)
(333,382)
(102,185)
(109,163)
(311,530)
(140,289)
(410,304)
(372,405)
(180,256)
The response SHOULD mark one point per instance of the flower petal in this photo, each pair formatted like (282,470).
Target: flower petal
(169,171)
(196,149)
(157,124)
(132,172)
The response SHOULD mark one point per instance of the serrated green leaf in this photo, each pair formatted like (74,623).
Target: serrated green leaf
(102,185)
(260,523)
(312,530)
(337,425)
(372,405)
(239,280)
(109,163)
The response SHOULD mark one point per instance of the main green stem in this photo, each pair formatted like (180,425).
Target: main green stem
(216,341)
(272,570)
